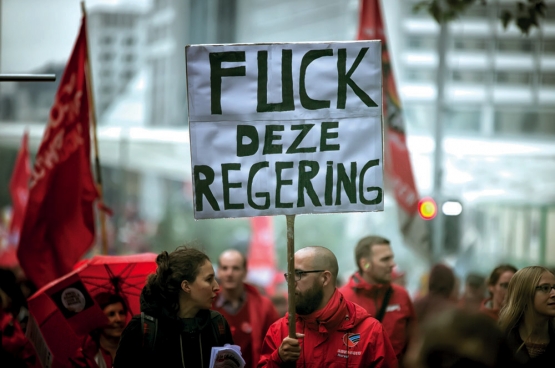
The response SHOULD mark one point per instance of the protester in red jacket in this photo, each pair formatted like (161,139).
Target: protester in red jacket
(330,330)
(248,313)
(369,286)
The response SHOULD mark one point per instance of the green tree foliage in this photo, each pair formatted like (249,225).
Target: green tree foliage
(525,14)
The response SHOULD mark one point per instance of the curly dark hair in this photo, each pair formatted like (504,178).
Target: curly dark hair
(181,264)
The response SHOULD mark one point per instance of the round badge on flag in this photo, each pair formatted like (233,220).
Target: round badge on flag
(73,299)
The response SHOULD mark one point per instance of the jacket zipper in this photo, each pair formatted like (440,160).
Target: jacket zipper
(181,347)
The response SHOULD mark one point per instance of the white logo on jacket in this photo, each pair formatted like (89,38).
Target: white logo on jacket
(392,308)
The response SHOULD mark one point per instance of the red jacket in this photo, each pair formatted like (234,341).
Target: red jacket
(15,348)
(342,334)
(262,314)
(399,315)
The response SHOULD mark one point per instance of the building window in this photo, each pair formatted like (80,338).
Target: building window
(129,41)
(548,80)
(509,120)
(129,58)
(106,56)
(469,76)
(470,44)
(519,45)
(513,78)
(106,40)
(463,119)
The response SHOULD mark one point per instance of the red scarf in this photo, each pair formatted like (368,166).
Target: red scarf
(329,317)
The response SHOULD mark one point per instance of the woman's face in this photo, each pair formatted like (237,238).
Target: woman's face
(499,290)
(205,287)
(117,319)
(544,299)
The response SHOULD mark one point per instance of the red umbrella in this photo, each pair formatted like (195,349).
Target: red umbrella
(63,312)
(123,275)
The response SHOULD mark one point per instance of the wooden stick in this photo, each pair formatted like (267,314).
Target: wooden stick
(92,110)
(27,77)
(291,273)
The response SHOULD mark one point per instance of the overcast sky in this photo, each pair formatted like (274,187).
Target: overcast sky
(37,32)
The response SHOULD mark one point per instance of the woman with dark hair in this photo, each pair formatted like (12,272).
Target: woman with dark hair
(528,316)
(99,348)
(498,282)
(176,327)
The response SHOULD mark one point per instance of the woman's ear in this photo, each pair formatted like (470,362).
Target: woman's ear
(185,286)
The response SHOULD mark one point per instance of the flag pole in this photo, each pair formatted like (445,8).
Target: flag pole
(92,110)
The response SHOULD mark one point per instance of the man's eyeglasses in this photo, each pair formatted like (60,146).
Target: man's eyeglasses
(545,288)
(299,274)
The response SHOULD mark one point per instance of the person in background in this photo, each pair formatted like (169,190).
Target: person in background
(528,316)
(457,338)
(441,293)
(371,288)
(248,313)
(330,330)
(498,282)
(474,292)
(99,348)
(178,297)
(15,349)
(280,303)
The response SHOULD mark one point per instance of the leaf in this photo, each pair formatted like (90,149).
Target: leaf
(419,6)
(523,24)
(506,18)
(541,8)
(521,6)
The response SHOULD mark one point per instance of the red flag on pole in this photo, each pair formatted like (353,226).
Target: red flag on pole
(59,221)
(397,163)
(261,258)
(19,191)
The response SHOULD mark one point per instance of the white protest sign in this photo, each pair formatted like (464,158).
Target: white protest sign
(283,129)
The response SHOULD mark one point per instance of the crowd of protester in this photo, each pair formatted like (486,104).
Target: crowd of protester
(503,320)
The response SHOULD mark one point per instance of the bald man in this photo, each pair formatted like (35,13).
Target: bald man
(248,313)
(330,330)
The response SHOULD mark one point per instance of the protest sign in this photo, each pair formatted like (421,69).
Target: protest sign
(285,129)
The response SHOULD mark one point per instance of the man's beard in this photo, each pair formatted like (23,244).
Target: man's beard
(309,301)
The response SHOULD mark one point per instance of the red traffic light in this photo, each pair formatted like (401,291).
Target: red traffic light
(427,208)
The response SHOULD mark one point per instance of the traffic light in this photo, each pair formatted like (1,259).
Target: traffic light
(427,208)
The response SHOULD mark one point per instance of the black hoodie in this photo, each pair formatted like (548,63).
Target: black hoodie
(179,342)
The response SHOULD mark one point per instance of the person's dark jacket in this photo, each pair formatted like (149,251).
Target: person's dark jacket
(547,359)
(179,342)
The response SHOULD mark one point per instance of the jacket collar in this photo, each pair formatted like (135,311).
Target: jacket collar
(358,283)
(328,318)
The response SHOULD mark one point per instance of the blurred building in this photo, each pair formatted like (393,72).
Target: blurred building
(498,119)
(117,46)
(171,25)
(498,82)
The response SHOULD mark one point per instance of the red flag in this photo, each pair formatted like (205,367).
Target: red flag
(398,167)
(59,222)
(261,258)
(19,191)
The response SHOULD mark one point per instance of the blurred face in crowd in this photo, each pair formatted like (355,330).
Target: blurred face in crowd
(544,299)
(203,290)
(309,290)
(231,270)
(117,319)
(379,266)
(499,290)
